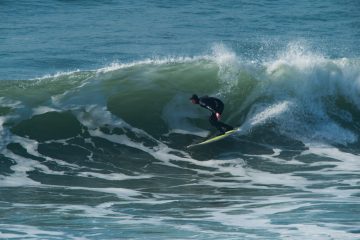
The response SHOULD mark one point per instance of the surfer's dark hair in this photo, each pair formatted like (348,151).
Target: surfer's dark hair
(194,97)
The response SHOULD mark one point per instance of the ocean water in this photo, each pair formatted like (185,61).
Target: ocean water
(95,119)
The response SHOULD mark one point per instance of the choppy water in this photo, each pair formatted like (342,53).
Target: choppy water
(93,138)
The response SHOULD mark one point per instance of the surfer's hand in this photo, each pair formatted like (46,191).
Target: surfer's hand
(217,116)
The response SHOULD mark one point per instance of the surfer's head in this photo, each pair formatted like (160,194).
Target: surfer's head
(194,99)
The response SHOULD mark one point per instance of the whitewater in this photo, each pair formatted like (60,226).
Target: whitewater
(95,120)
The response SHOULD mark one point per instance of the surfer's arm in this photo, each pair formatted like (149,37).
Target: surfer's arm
(210,105)
(212,110)
(204,105)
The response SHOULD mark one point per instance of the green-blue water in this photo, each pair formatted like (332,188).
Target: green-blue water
(95,120)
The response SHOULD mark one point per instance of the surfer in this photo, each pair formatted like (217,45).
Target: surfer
(216,107)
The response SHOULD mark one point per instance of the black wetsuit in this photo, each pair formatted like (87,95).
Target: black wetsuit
(215,105)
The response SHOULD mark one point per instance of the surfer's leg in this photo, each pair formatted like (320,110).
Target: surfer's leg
(222,127)
(225,126)
(214,122)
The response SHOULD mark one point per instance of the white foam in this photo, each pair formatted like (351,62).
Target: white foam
(121,193)
(229,66)
(223,56)
(113,176)
(57,74)
(44,109)
(260,212)
(298,55)
(349,163)
(316,232)
(21,169)
(160,152)
(5,102)
(305,79)
(95,116)
(150,61)
(262,114)
(104,117)
(31,147)
(26,231)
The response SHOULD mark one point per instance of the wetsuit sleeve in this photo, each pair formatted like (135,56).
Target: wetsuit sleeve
(205,103)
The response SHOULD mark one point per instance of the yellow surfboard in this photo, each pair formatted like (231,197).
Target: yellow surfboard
(214,139)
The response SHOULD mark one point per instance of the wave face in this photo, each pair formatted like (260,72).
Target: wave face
(299,95)
(109,145)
